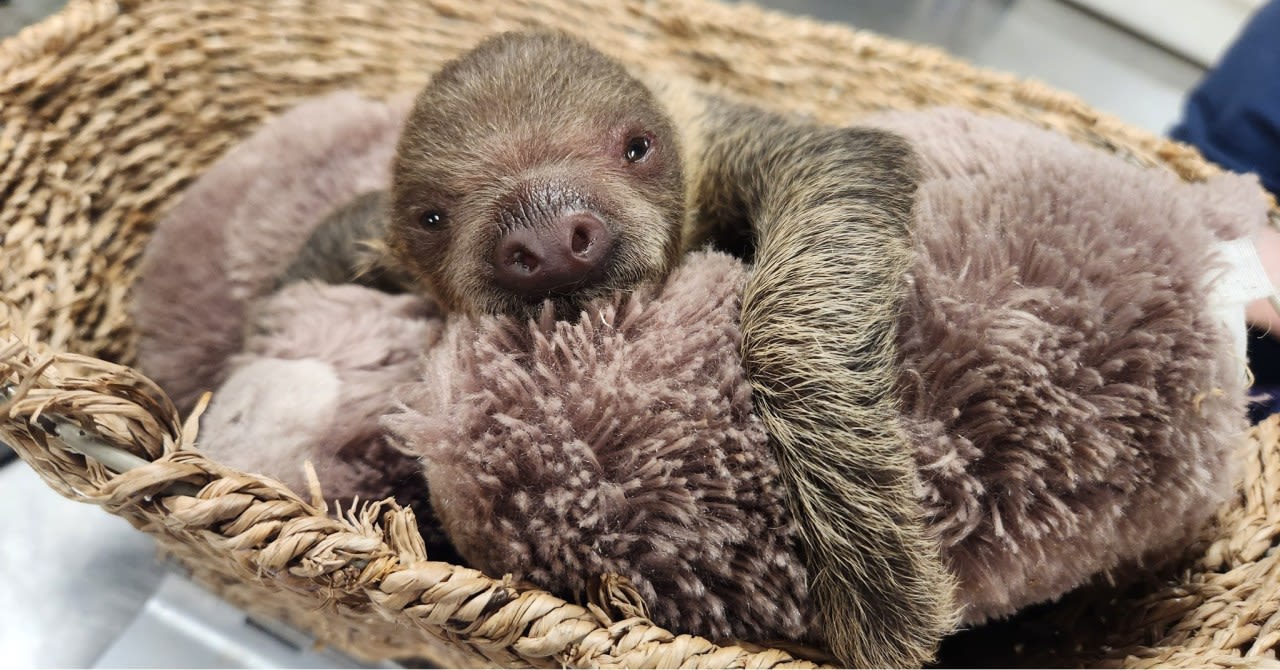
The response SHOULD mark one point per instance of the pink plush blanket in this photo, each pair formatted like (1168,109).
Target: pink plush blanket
(1072,403)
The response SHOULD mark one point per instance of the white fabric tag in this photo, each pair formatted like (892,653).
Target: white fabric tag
(1241,282)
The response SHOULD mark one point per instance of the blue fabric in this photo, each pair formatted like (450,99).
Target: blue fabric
(1264,361)
(1233,117)
(1233,114)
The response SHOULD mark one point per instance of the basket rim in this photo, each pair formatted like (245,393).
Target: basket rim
(135,494)
(374,547)
(76,20)
(55,33)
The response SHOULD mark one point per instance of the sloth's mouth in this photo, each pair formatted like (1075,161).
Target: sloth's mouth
(617,273)
(565,305)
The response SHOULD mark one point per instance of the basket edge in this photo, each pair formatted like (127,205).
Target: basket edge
(55,33)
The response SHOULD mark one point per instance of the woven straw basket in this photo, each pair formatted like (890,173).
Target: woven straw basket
(110,109)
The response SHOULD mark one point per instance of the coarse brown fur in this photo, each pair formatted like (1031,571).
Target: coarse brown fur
(832,210)
(346,248)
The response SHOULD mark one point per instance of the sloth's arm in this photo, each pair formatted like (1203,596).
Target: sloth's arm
(825,213)
(347,248)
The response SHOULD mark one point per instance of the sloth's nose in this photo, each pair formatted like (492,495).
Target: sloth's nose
(541,260)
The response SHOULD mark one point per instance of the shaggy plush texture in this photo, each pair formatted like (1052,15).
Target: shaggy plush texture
(1070,401)
(622,444)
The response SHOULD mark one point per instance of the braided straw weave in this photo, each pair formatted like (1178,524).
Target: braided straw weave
(109,109)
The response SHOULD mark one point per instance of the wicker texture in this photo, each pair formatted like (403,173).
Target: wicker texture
(110,108)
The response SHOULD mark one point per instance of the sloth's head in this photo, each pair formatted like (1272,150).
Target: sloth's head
(531,168)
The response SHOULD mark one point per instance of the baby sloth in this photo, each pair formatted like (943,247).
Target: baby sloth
(535,169)
(532,168)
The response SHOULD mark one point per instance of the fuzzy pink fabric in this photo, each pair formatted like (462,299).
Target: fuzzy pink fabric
(241,223)
(1071,402)
(313,380)
(309,370)
(623,444)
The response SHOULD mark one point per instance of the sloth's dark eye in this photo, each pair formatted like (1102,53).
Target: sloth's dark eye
(637,148)
(431,219)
